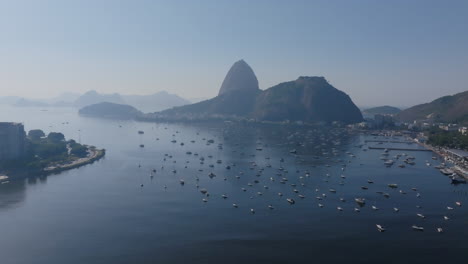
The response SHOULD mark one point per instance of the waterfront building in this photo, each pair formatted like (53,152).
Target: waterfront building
(12,141)
(463,130)
(449,127)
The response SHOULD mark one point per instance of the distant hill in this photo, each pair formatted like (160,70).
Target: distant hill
(310,99)
(93,97)
(63,100)
(383,110)
(155,102)
(29,103)
(453,108)
(147,103)
(9,99)
(110,110)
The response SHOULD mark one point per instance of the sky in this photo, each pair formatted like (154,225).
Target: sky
(395,52)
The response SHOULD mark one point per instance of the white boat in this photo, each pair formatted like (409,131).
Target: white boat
(446,171)
(418,228)
(380,228)
(290,201)
(360,201)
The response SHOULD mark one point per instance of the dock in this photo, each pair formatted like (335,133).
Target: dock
(389,141)
(405,149)
(461,172)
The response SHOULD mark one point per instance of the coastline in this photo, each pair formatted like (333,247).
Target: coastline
(95,155)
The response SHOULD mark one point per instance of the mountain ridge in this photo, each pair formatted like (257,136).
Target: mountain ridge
(450,108)
(309,99)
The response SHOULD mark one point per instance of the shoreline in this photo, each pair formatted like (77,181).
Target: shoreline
(95,155)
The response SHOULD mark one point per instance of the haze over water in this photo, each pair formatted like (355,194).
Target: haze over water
(100,213)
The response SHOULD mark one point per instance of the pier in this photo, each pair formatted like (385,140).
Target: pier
(390,141)
(405,149)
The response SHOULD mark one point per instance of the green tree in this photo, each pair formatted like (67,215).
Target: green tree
(79,150)
(36,134)
(56,137)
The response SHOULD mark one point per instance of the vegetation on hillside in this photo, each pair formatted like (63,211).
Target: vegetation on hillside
(383,110)
(110,110)
(448,139)
(448,109)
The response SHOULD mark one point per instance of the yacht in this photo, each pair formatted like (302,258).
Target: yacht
(380,228)
(360,201)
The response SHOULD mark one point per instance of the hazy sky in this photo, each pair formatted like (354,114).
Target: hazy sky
(379,52)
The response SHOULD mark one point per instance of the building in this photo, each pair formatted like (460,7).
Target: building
(383,121)
(463,130)
(458,155)
(12,141)
(449,127)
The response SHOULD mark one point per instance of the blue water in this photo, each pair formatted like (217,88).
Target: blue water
(99,213)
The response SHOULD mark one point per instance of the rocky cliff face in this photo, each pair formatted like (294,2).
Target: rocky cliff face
(239,78)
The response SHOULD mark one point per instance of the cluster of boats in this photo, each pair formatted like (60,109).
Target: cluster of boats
(320,150)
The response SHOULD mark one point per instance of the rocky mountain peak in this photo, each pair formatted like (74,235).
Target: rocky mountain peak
(239,77)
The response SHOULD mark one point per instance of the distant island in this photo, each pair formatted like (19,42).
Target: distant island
(307,99)
(110,110)
(382,110)
(38,154)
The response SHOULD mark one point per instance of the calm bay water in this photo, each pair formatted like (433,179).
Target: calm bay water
(100,213)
